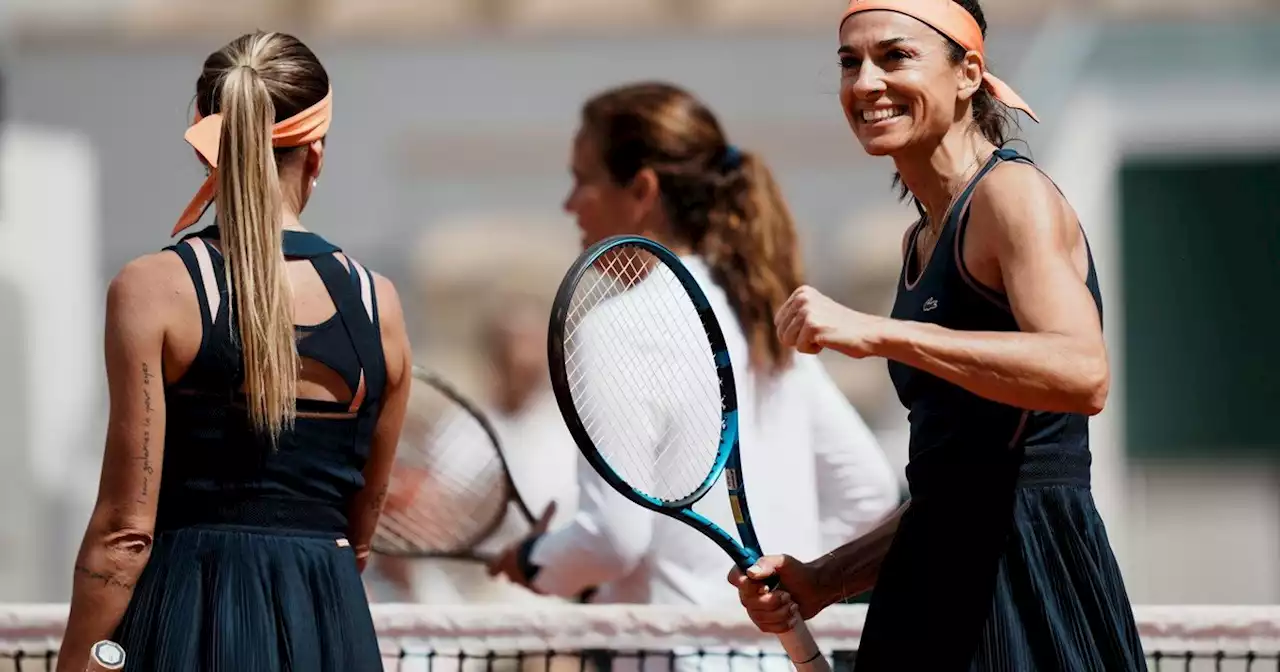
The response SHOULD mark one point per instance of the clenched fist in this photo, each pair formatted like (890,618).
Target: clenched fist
(809,321)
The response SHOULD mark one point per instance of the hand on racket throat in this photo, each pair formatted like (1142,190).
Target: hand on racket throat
(513,562)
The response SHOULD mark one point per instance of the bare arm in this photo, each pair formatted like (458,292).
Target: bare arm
(809,587)
(853,568)
(1023,242)
(117,543)
(367,506)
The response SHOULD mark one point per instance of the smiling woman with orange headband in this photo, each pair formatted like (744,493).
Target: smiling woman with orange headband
(273,442)
(1000,560)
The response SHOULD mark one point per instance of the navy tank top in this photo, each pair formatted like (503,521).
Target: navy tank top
(217,469)
(958,439)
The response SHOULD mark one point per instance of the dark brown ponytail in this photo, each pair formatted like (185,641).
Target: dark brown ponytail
(750,243)
(721,201)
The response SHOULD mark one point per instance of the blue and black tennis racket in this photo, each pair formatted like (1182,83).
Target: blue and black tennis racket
(643,379)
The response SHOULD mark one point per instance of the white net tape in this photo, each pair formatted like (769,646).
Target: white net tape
(1174,637)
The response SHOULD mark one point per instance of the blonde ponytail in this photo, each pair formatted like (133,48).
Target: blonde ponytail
(248,203)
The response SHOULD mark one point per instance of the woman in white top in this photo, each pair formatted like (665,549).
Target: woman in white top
(651,159)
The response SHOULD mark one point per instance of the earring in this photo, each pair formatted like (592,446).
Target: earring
(314,182)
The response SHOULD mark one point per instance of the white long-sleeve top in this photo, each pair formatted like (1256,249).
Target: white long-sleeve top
(813,472)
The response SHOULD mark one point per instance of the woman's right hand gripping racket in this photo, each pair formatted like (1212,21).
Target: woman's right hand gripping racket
(642,376)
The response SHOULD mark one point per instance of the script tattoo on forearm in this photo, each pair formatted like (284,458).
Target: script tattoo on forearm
(104,579)
(379,500)
(147,469)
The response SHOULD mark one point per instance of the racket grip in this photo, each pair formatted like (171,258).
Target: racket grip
(803,650)
(799,643)
(106,655)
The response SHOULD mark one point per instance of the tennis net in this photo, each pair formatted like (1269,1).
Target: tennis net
(555,638)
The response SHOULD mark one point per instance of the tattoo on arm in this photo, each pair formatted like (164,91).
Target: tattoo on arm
(103,578)
(147,469)
(379,500)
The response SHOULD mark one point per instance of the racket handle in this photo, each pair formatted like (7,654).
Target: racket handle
(105,656)
(799,643)
(803,650)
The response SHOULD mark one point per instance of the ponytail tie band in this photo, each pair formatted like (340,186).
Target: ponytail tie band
(205,136)
(732,157)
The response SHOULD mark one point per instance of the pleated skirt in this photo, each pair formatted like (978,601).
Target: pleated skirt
(1026,583)
(226,599)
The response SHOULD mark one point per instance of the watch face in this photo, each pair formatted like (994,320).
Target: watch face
(109,655)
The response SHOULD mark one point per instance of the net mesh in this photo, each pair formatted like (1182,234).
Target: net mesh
(555,638)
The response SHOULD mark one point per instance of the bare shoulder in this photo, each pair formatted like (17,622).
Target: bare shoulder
(388,297)
(147,283)
(395,336)
(390,312)
(1016,202)
(389,307)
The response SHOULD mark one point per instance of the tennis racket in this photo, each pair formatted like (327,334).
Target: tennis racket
(642,375)
(451,488)
(104,656)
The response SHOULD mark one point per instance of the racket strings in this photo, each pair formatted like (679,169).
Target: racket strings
(612,280)
(448,487)
(609,282)
(663,407)
(444,505)
(618,280)
(690,469)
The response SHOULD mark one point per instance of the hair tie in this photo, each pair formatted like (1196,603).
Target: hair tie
(732,157)
(205,136)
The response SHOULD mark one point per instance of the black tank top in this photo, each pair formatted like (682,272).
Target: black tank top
(217,469)
(958,439)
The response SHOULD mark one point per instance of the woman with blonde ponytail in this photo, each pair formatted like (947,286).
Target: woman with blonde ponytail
(262,375)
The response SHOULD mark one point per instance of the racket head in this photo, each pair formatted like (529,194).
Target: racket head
(451,486)
(629,290)
(607,272)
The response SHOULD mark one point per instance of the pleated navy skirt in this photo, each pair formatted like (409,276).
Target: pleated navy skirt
(1059,602)
(1042,594)
(228,599)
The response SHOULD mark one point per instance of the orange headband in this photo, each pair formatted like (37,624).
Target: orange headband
(950,19)
(205,135)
